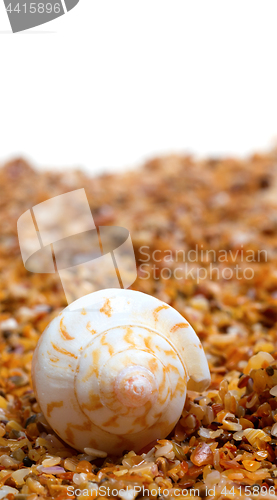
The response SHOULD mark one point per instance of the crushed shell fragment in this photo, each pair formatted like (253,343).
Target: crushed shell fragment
(254,435)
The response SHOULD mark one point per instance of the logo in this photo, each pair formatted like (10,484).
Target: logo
(59,235)
(28,13)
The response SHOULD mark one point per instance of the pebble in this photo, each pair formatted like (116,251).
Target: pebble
(19,455)
(7,490)
(19,475)
(129,494)
(70,464)
(273,391)
(95,453)
(84,466)
(7,461)
(164,450)
(79,478)
(3,403)
(49,462)
(9,324)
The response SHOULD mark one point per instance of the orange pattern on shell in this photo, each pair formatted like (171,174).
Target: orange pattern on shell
(94,402)
(105,343)
(177,326)
(107,309)
(94,367)
(88,327)
(63,351)
(51,406)
(157,310)
(142,420)
(111,422)
(64,332)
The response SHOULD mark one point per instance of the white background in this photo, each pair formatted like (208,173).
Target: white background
(116,81)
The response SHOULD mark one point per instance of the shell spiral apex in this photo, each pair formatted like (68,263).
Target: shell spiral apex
(112,370)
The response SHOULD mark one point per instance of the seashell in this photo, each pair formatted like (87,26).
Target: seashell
(112,370)
(232,425)
(254,435)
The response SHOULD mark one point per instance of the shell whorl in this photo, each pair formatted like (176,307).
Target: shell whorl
(134,386)
(133,377)
(111,372)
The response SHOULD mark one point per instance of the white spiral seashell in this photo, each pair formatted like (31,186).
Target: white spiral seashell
(112,370)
